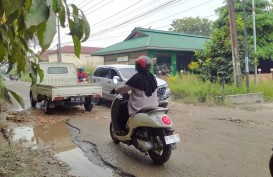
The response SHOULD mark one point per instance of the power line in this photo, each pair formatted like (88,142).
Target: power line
(164,5)
(84,4)
(149,12)
(117,13)
(101,39)
(78,5)
(137,17)
(100,7)
(179,12)
(94,6)
(130,13)
(72,1)
(170,25)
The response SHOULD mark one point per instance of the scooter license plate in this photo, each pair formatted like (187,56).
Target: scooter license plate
(172,139)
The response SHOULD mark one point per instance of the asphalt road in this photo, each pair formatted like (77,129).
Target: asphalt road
(216,141)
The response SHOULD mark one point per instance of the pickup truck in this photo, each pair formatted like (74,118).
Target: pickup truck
(60,86)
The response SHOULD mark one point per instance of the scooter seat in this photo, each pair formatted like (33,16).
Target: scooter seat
(154,110)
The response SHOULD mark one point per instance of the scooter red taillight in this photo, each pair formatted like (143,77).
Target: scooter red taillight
(166,120)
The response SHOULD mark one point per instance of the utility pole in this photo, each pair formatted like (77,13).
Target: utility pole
(59,59)
(234,42)
(254,40)
(246,49)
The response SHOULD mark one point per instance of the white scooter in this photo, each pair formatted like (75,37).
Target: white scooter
(150,131)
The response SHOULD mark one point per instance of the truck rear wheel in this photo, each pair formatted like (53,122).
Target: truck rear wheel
(88,106)
(46,106)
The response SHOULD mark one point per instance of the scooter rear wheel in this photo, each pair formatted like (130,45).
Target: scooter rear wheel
(162,152)
(115,140)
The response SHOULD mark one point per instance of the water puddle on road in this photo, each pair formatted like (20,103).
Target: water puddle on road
(59,136)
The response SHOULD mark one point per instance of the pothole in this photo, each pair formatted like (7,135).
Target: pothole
(91,152)
(248,123)
(81,156)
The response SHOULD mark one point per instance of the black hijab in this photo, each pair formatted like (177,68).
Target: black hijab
(143,80)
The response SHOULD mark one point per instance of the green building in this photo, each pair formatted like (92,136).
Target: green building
(170,51)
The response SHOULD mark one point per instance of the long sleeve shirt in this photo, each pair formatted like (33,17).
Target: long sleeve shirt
(138,99)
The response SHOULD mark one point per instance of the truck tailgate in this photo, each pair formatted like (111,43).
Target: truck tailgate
(72,90)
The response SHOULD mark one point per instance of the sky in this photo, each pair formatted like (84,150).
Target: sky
(111,21)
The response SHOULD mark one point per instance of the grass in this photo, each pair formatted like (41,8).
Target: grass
(25,77)
(189,89)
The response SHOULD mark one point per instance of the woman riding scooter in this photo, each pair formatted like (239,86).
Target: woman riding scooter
(149,128)
(143,87)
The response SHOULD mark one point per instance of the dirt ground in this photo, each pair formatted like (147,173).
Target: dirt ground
(18,160)
(215,141)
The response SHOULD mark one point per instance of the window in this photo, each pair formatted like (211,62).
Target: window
(127,73)
(104,72)
(97,72)
(113,73)
(57,70)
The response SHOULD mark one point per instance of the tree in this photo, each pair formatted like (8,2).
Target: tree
(24,20)
(192,25)
(220,44)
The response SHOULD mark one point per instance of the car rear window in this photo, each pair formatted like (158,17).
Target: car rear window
(57,70)
(97,72)
(127,73)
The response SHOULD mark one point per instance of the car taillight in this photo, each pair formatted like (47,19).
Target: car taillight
(166,120)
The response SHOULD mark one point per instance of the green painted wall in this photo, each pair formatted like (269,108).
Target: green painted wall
(151,54)
(173,62)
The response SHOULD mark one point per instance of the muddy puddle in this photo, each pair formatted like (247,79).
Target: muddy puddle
(59,136)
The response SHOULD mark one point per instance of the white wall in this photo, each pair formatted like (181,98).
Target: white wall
(85,60)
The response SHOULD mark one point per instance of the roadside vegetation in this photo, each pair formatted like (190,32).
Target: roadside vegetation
(25,77)
(191,89)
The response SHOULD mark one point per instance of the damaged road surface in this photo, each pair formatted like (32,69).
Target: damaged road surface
(58,137)
(215,141)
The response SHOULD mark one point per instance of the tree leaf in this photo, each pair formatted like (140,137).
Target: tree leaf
(77,45)
(10,6)
(47,31)
(55,7)
(28,4)
(62,14)
(12,17)
(21,25)
(38,13)
(2,52)
(5,36)
(34,70)
(24,42)
(70,25)
(6,94)
(17,98)
(86,28)
(75,13)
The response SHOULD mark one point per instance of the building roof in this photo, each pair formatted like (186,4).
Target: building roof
(70,49)
(144,39)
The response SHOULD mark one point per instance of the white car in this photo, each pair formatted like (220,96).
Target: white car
(104,75)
